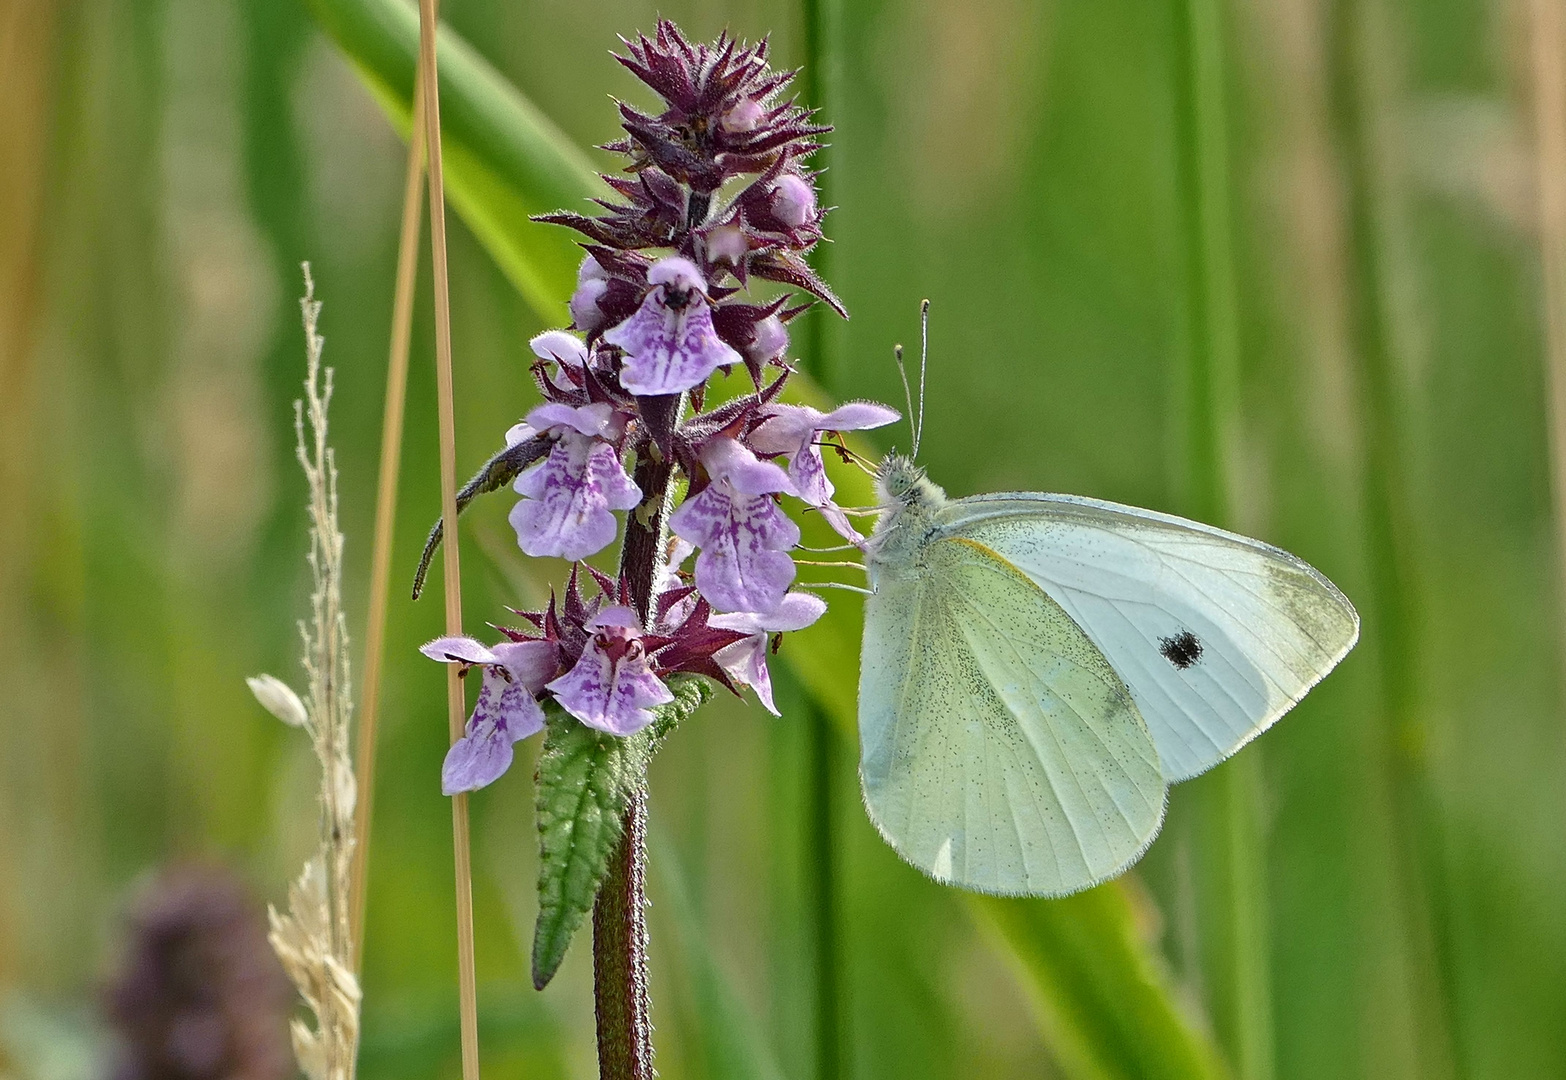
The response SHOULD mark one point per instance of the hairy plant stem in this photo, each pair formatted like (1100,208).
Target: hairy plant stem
(620,913)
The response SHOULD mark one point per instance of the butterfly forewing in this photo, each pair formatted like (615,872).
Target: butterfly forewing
(1001,752)
(1216,635)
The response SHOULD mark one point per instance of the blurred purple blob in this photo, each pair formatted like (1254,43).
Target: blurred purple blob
(198,994)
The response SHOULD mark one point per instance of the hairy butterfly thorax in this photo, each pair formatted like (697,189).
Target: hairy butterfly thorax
(909,502)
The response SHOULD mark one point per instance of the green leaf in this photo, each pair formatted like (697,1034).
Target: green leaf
(585,777)
(504,159)
(1105,1003)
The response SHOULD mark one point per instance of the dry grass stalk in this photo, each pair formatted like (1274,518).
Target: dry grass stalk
(1547,31)
(456,707)
(386,513)
(314,938)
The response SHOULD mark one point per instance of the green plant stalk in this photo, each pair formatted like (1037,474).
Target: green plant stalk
(620,995)
(1420,869)
(1228,872)
(819,83)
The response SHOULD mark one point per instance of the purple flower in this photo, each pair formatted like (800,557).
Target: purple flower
(591,284)
(569,495)
(611,686)
(746,661)
(742,534)
(670,344)
(792,430)
(507,708)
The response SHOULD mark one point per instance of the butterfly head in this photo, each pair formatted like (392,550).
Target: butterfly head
(901,483)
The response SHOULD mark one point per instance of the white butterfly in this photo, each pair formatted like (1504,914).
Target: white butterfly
(1037,669)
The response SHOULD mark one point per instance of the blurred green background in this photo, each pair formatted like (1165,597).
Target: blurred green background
(1066,184)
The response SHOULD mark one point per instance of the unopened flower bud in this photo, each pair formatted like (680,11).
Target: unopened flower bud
(585,312)
(727,243)
(590,270)
(744,116)
(771,339)
(793,201)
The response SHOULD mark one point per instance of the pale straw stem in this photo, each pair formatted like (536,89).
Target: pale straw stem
(430,80)
(386,510)
(1549,114)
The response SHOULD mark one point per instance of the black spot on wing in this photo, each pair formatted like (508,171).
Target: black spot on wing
(1182,650)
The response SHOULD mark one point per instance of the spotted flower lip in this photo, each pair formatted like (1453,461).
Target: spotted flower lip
(507,709)
(612,687)
(743,535)
(670,344)
(569,496)
(746,661)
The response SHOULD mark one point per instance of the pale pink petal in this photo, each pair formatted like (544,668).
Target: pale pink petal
(796,611)
(858,416)
(670,343)
(612,696)
(808,473)
(785,429)
(746,663)
(560,346)
(726,460)
(678,273)
(531,663)
(841,525)
(793,200)
(618,617)
(743,540)
(458,649)
(727,243)
(569,498)
(505,712)
(585,312)
(592,419)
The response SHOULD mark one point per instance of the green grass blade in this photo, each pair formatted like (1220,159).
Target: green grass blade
(729,1036)
(1221,809)
(504,159)
(1104,1002)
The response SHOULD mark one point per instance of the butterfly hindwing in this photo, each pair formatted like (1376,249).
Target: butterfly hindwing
(1001,752)
(1216,635)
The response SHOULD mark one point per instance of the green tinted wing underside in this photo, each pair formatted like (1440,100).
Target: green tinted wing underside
(1001,752)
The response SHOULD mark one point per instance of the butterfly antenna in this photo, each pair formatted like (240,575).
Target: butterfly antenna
(897,355)
(924,359)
